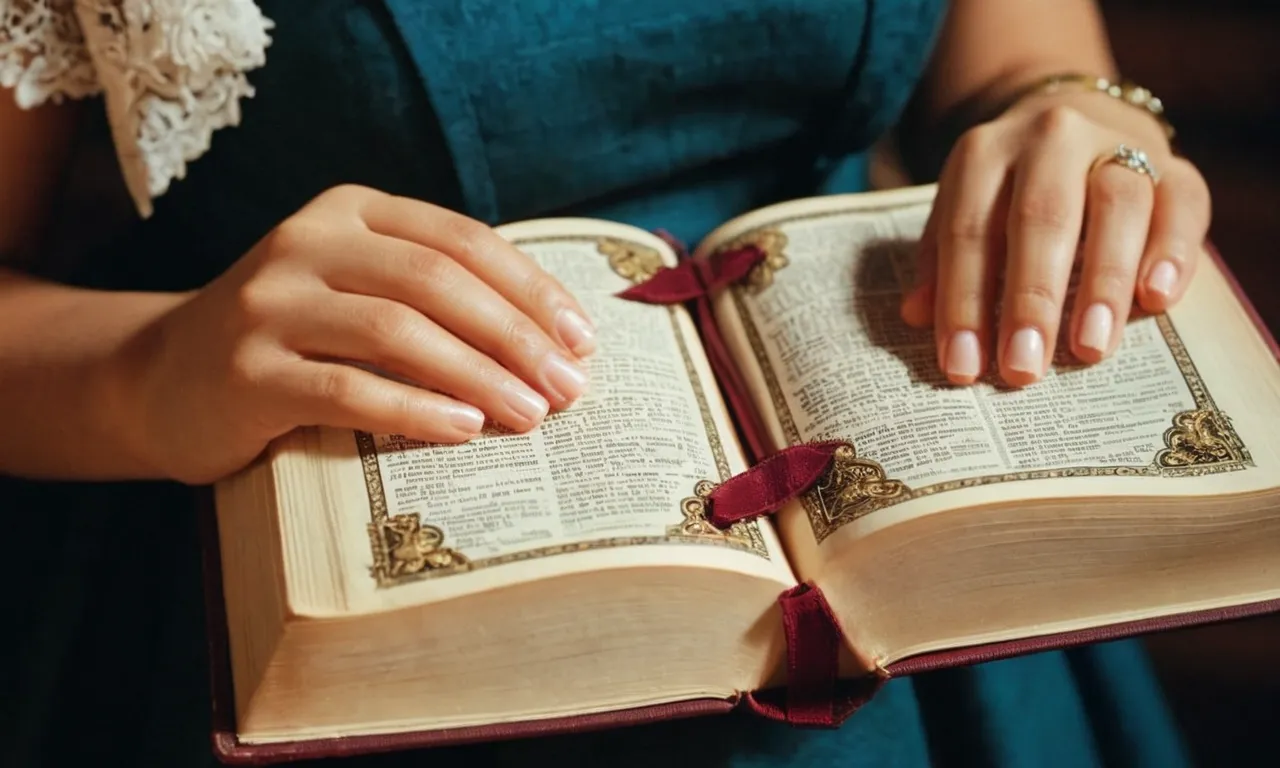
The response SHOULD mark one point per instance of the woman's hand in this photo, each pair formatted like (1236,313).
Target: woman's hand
(356,280)
(1018,199)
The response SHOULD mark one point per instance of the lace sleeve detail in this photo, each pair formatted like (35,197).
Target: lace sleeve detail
(42,52)
(171,72)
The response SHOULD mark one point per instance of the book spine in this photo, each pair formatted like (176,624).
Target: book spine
(814,696)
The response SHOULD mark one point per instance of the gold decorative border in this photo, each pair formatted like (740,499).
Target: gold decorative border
(407,549)
(773,242)
(696,526)
(1199,442)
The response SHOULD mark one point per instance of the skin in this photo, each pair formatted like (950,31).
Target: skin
(192,386)
(93,383)
(1020,195)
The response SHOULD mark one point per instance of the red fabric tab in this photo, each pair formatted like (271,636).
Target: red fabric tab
(765,487)
(669,285)
(691,278)
(813,652)
(813,697)
(729,267)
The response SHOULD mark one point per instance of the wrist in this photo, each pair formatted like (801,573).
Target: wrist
(1143,128)
(1136,105)
(121,391)
(930,134)
(942,115)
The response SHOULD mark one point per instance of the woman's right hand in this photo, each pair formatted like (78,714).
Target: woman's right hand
(356,276)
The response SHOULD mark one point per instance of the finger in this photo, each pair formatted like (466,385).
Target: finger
(969,240)
(345,397)
(1118,208)
(488,256)
(1045,215)
(917,303)
(1179,225)
(396,338)
(445,291)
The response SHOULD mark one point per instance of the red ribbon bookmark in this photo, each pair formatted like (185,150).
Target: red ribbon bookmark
(693,278)
(814,696)
(765,487)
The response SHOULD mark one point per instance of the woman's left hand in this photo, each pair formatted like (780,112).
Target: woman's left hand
(1018,199)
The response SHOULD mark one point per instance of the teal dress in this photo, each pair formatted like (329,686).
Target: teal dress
(661,113)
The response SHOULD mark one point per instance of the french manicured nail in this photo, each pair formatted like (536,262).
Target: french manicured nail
(526,403)
(963,356)
(465,419)
(1025,352)
(1095,328)
(576,333)
(1163,277)
(563,378)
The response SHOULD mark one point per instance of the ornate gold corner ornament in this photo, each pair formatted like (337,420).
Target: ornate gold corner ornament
(696,525)
(852,488)
(631,261)
(403,546)
(773,243)
(1200,439)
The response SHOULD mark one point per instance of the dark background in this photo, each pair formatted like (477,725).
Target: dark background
(1216,65)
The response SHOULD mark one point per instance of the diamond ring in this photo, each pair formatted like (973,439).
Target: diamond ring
(1134,159)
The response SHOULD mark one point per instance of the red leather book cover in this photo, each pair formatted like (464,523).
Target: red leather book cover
(754,489)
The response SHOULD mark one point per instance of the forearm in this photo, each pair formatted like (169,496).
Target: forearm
(65,383)
(987,51)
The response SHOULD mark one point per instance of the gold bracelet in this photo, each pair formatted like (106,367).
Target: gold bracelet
(1130,93)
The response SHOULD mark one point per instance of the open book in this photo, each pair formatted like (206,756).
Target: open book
(378,592)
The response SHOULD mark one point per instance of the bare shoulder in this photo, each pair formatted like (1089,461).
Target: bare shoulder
(35,147)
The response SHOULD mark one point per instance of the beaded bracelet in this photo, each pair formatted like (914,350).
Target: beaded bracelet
(1130,93)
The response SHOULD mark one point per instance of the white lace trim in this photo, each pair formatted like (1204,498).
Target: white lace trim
(171,72)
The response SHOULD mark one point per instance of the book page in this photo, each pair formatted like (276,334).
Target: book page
(617,479)
(831,359)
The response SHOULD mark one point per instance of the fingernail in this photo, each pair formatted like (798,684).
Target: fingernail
(526,403)
(563,378)
(1095,328)
(465,419)
(1025,353)
(963,355)
(1163,277)
(576,333)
